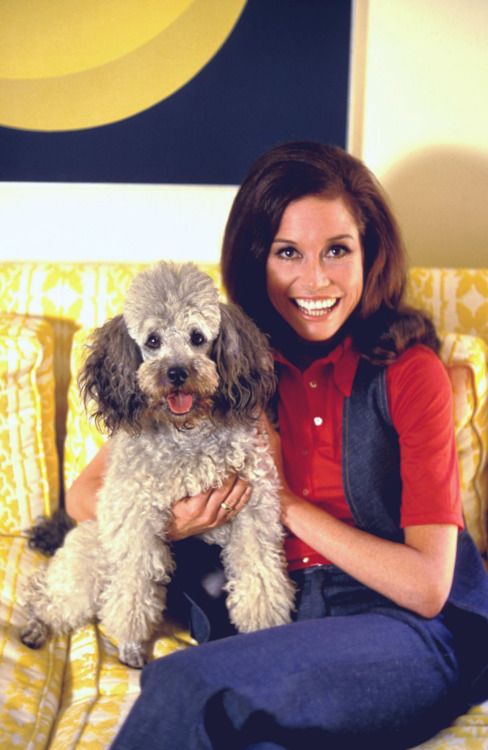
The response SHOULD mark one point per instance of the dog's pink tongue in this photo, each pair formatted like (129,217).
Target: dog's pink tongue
(180,403)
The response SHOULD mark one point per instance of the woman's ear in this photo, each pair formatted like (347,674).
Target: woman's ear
(108,377)
(244,364)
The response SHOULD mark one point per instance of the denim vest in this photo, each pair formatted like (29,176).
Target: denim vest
(371,477)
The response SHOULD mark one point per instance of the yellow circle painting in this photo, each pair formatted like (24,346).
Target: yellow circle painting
(70,65)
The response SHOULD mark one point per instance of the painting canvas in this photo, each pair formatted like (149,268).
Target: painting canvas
(182,92)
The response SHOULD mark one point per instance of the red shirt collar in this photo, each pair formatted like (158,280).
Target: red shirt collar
(344,360)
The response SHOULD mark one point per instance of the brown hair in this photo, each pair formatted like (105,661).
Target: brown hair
(382,326)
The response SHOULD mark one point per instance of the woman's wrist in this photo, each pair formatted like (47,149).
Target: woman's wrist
(290,503)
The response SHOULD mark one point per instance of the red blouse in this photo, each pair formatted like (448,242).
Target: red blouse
(310,418)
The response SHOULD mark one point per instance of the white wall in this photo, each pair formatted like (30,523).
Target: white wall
(421,121)
(112,222)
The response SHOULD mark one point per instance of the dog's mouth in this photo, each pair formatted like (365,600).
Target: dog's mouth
(179,403)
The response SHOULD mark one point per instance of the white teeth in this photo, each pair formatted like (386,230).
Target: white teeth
(316,306)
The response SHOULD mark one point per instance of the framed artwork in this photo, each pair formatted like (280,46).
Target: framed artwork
(180,92)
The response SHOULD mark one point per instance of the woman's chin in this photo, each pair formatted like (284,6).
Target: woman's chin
(316,328)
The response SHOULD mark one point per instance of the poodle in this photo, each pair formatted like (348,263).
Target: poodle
(178,382)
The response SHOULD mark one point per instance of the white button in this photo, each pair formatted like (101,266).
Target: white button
(313,384)
(317,421)
(306,492)
(305,560)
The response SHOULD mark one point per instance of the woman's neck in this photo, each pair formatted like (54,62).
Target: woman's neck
(303,353)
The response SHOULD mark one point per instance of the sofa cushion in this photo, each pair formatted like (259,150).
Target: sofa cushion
(455,298)
(83,439)
(98,690)
(466,358)
(29,482)
(30,681)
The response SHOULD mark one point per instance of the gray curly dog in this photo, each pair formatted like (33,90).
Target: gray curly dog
(178,380)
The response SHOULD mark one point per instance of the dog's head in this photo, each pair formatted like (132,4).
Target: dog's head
(176,354)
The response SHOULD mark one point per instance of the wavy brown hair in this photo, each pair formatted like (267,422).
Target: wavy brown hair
(382,326)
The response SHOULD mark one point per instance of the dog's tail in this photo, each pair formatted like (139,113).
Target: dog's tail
(48,533)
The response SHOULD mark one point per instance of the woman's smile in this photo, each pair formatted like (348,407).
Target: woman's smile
(314,270)
(316,308)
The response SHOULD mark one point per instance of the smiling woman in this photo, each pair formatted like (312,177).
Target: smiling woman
(108,60)
(314,271)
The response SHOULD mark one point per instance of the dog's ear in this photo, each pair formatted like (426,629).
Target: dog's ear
(108,377)
(244,364)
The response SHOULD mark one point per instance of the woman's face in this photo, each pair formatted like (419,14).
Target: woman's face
(314,270)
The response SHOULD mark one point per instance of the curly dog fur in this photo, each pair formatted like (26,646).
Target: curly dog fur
(178,381)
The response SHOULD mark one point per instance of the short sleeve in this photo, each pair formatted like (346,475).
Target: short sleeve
(420,396)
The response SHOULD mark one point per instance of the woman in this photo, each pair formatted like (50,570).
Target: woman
(387,639)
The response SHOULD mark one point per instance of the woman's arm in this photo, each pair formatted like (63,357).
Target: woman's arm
(416,574)
(81,498)
(191,516)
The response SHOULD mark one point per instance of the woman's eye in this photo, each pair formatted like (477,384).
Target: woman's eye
(153,341)
(337,251)
(287,252)
(197,338)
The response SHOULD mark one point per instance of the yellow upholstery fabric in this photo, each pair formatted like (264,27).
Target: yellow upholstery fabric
(468,732)
(30,681)
(83,439)
(98,690)
(29,476)
(455,298)
(467,360)
(54,697)
(74,693)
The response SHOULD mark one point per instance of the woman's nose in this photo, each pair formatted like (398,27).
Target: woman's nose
(315,275)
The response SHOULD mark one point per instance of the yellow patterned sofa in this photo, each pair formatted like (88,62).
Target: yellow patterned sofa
(74,693)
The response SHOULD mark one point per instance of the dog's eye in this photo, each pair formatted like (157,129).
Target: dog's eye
(153,341)
(197,338)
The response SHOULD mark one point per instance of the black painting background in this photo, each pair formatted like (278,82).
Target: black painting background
(281,75)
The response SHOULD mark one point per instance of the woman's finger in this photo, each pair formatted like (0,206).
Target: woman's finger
(242,501)
(230,497)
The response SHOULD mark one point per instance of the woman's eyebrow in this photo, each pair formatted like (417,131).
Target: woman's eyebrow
(341,237)
(329,239)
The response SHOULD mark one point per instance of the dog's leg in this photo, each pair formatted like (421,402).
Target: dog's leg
(260,593)
(62,596)
(135,595)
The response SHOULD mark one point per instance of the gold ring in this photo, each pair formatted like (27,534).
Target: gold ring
(226,507)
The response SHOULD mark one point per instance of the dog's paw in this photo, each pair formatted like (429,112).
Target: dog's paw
(132,654)
(34,634)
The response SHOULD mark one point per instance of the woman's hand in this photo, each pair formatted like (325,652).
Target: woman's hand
(208,510)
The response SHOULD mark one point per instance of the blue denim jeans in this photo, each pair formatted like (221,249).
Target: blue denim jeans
(352,671)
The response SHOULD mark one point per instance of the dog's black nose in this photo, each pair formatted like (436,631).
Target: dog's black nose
(177,375)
